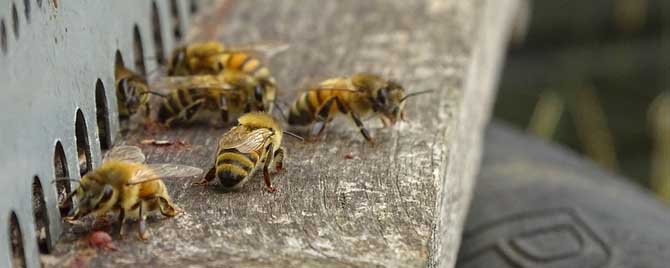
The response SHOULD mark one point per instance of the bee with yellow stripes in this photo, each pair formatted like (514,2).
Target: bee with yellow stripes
(195,58)
(229,93)
(132,92)
(124,184)
(253,144)
(360,95)
(213,58)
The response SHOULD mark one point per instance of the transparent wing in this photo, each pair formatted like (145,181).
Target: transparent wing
(125,153)
(174,170)
(244,140)
(163,171)
(192,81)
(233,137)
(265,49)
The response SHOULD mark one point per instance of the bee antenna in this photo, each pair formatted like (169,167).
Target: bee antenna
(415,94)
(293,135)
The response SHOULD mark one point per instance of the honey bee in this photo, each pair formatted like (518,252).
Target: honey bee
(132,92)
(254,142)
(125,185)
(195,58)
(213,58)
(231,92)
(360,95)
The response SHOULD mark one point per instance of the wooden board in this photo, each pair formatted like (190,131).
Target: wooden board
(341,202)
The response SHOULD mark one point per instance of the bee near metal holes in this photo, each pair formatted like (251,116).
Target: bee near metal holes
(211,58)
(358,96)
(124,184)
(255,143)
(230,93)
(132,92)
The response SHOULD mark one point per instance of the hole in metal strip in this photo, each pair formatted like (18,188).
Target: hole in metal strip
(16,241)
(102,116)
(61,173)
(41,217)
(118,59)
(39,3)
(194,6)
(139,51)
(176,20)
(83,145)
(157,33)
(26,9)
(3,36)
(15,20)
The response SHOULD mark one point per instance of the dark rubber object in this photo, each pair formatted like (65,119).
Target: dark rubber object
(539,205)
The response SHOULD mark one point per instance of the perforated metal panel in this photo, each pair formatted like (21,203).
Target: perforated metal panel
(56,88)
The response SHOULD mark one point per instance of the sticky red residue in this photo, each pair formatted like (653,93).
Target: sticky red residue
(102,240)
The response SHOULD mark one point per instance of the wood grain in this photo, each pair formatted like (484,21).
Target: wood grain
(340,202)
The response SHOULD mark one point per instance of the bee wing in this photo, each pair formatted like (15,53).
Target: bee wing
(264,49)
(174,170)
(162,171)
(125,153)
(243,140)
(192,81)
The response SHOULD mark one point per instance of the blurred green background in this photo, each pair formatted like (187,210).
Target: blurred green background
(594,75)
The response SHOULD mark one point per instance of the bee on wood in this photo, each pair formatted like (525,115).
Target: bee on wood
(124,184)
(229,93)
(360,95)
(213,58)
(253,144)
(132,92)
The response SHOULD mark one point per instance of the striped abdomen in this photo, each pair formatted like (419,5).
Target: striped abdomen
(307,105)
(246,63)
(233,168)
(178,100)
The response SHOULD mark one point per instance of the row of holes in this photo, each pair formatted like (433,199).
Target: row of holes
(15,23)
(81,135)
(62,186)
(174,11)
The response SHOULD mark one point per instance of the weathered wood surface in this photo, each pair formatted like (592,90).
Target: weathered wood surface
(399,204)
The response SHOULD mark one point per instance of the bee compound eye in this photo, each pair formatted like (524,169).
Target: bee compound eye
(107,193)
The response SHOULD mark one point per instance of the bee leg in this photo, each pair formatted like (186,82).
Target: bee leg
(144,235)
(187,113)
(266,172)
(122,222)
(364,131)
(211,174)
(147,112)
(191,110)
(167,208)
(279,159)
(322,117)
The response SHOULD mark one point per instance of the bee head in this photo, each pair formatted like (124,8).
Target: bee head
(133,93)
(91,196)
(389,101)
